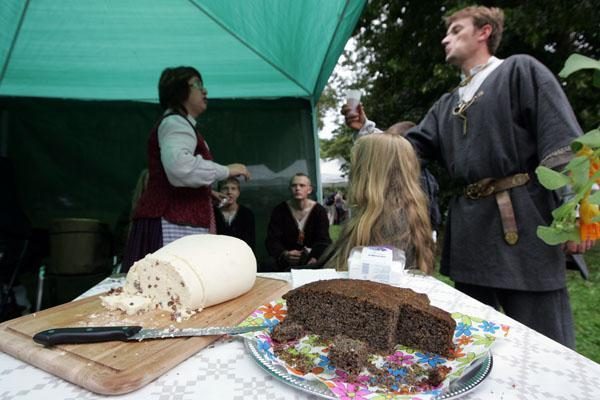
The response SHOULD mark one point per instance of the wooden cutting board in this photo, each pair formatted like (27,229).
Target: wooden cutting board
(121,367)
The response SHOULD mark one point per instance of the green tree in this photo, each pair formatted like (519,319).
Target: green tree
(326,102)
(339,146)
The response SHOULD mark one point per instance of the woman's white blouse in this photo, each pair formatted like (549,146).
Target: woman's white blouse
(177,141)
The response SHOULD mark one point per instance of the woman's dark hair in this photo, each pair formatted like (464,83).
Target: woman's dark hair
(173,87)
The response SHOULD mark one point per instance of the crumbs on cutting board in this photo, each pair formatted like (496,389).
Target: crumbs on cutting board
(150,319)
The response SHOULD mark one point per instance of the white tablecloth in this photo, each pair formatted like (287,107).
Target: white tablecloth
(526,365)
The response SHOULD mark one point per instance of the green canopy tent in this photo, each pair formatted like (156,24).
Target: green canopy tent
(78,93)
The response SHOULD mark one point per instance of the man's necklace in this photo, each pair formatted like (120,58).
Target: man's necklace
(469,78)
(461,108)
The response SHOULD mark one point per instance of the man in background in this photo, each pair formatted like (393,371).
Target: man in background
(298,230)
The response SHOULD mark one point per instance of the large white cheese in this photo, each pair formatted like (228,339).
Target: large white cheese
(187,275)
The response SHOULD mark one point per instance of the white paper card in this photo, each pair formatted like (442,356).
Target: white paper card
(376,264)
(303,276)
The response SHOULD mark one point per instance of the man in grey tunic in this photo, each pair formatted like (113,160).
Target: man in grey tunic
(505,118)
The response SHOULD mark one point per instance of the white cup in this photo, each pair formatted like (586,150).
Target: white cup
(353,99)
(223,202)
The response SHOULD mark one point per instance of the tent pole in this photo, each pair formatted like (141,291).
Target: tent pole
(315,132)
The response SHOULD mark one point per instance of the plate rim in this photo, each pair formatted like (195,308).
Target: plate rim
(279,372)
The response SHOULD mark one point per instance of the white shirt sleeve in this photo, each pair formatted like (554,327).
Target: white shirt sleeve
(177,141)
(367,129)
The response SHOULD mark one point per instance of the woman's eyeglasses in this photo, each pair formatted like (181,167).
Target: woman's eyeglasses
(198,85)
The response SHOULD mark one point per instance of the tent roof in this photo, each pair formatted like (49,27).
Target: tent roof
(116,49)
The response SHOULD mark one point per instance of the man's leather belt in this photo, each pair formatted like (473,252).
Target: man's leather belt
(488,186)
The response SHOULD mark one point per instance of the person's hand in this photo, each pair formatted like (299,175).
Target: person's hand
(311,261)
(292,256)
(220,198)
(354,120)
(578,248)
(236,170)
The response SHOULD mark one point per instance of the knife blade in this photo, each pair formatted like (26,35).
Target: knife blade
(95,334)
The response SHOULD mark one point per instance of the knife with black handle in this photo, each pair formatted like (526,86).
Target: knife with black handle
(95,334)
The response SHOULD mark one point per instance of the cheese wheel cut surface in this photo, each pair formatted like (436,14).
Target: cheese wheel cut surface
(187,275)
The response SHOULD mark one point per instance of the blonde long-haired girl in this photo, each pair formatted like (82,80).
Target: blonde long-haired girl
(388,206)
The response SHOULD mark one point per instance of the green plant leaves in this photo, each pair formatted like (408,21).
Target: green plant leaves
(579,168)
(563,212)
(551,179)
(577,62)
(554,236)
(590,139)
(581,172)
(594,198)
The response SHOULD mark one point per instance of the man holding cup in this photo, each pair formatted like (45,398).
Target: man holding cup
(504,119)
(353,100)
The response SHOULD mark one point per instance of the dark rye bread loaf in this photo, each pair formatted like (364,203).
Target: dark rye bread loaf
(378,314)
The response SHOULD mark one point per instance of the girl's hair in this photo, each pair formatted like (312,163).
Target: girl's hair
(174,89)
(388,206)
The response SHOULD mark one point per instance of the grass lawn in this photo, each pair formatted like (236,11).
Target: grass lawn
(585,301)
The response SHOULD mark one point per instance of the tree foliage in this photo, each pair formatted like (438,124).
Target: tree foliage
(327,101)
(399,61)
(339,147)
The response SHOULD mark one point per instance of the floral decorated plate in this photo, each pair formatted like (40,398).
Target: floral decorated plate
(403,371)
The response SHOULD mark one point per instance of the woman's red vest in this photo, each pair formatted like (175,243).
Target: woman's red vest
(179,205)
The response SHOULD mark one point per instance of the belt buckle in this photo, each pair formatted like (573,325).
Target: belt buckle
(473,191)
(478,190)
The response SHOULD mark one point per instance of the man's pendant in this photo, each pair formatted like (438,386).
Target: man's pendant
(460,110)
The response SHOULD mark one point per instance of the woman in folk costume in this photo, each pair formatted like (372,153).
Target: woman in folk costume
(178,199)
